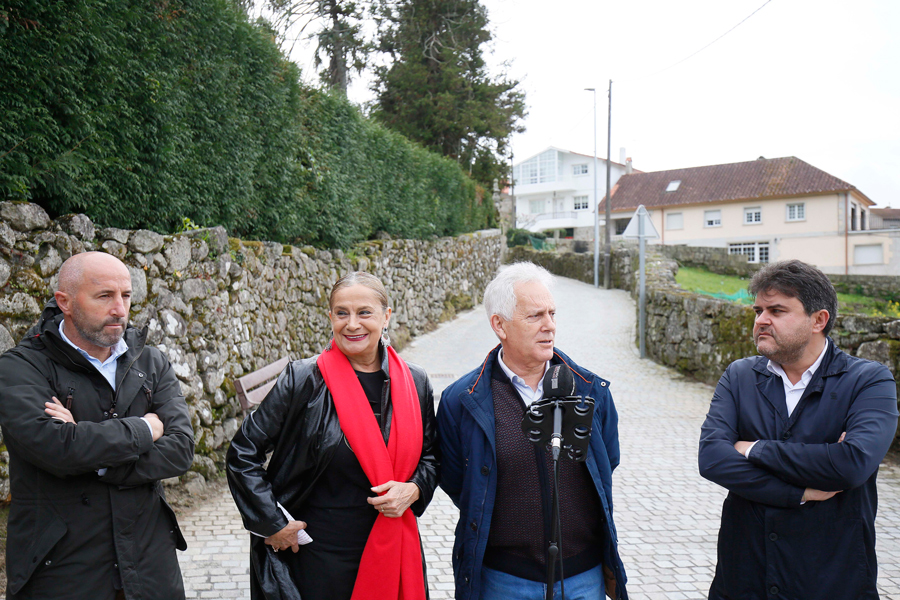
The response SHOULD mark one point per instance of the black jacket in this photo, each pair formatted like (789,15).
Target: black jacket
(73,534)
(299,423)
(771,545)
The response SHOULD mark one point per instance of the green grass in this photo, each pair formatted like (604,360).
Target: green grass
(701,280)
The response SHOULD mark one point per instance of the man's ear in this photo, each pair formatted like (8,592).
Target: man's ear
(63,302)
(497,324)
(820,320)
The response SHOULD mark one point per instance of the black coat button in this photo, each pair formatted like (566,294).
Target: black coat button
(773,537)
(485,470)
(474,526)
(773,590)
(787,435)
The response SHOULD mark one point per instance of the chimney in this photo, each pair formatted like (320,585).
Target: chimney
(621,156)
(628,168)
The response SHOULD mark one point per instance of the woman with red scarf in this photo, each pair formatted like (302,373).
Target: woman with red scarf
(353,440)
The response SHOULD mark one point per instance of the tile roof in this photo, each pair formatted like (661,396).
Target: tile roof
(886,213)
(753,180)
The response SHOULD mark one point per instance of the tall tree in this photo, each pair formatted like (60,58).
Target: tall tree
(341,47)
(436,88)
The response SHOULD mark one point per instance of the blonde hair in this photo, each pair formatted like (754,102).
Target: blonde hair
(360,278)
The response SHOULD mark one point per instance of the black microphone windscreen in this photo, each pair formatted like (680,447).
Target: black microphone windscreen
(559,382)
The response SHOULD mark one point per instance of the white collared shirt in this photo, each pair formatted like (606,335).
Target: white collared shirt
(794,391)
(528,395)
(107,367)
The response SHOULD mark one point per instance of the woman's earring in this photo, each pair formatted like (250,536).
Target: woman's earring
(385,338)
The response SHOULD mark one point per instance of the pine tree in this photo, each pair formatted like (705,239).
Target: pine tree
(436,89)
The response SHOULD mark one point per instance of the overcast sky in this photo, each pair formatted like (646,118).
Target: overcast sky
(815,79)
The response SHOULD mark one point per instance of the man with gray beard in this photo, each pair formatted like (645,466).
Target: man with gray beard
(796,436)
(93,419)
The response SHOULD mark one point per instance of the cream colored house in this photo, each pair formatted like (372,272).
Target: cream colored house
(767,209)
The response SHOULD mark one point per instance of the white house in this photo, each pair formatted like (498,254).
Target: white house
(555,190)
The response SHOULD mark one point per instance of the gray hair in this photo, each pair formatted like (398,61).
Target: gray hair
(360,278)
(500,294)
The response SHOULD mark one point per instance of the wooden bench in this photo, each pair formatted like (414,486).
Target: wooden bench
(253,387)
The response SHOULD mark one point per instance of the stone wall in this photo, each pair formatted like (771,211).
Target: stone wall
(716,260)
(220,308)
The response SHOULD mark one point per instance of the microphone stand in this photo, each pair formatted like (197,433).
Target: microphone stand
(572,417)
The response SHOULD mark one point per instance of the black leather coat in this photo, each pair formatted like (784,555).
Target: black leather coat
(298,422)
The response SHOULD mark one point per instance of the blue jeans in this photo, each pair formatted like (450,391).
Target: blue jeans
(496,585)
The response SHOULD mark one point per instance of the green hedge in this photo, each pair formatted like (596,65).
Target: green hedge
(142,113)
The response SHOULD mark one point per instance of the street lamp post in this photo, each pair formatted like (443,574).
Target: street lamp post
(596,200)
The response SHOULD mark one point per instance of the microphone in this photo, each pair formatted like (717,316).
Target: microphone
(558,383)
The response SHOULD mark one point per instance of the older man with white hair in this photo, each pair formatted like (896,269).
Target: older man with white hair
(500,481)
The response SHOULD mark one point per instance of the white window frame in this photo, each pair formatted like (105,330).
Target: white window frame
(533,203)
(799,212)
(711,219)
(580,169)
(582,202)
(752,250)
(753,215)
(680,221)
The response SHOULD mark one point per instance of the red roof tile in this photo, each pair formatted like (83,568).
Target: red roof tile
(884,213)
(753,180)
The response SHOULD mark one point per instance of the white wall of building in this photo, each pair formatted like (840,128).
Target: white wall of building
(555,190)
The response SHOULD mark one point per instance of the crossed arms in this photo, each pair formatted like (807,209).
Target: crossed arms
(784,474)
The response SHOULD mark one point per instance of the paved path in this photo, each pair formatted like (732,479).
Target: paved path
(666,514)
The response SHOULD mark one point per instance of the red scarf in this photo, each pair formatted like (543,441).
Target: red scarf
(391,565)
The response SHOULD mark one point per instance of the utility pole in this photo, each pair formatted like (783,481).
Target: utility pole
(596,200)
(607,264)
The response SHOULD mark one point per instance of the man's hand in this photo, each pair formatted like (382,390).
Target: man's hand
(57,411)
(811,495)
(155,424)
(287,537)
(609,578)
(398,498)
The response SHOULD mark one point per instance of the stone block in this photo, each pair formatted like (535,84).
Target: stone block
(138,285)
(6,340)
(205,466)
(19,305)
(144,241)
(79,226)
(117,235)
(177,253)
(172,323)
(24,216)
(115,248)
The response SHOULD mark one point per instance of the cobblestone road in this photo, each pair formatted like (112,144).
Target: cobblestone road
(667,515)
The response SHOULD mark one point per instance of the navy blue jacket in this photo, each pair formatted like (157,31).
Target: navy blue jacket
(466,427)
(771,546)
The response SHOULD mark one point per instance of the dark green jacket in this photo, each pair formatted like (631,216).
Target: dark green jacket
(73,534)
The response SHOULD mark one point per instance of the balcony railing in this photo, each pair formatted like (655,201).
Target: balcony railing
(565,214)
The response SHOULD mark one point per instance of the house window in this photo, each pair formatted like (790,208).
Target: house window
(675,221)
(581,202)
(796,211)
(581,169)
(868,254)
(537,206)
(673,185)
(538,169)
(756,252)
(621,225)
(753,216)
(862,220)
(712,218)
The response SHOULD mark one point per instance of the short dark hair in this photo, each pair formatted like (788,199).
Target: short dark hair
(799,280)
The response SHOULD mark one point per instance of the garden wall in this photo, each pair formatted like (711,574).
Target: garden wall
(219,307)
